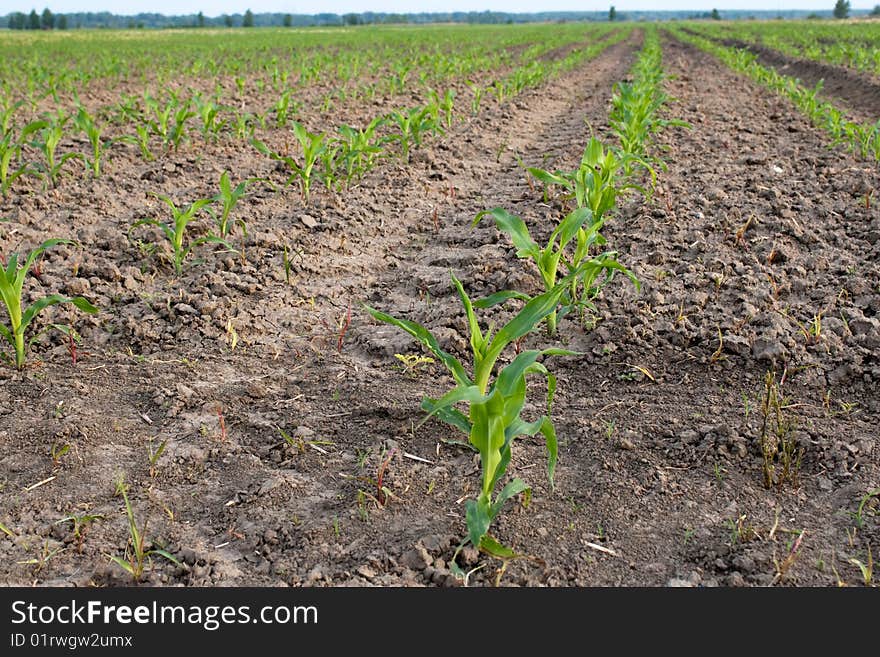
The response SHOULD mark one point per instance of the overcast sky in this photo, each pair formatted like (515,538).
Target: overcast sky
(218,7)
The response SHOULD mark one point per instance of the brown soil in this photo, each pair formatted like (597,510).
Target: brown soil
(660,478)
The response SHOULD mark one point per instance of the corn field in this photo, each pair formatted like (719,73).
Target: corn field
(534,305)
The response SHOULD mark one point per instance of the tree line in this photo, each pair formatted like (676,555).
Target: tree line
(33,21)
(49,21)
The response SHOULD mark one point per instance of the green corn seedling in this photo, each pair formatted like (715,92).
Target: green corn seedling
(478,91)
(499,90)
(80,523)
(127,110)
(331,165)
(493,420)
(447,105)
(86,123)
(169,120)
(635,113)
(434,106)
(411,123)
(178,129)
(312,145)
(136,552)
(359,148)
(48,137)
(598,180)
(142,139)
(244,124)
(581,270)
(6,115)
(209,113)
(547,259)
(176,230)
(12,277)
(229,198)
(160,123)
(10,152)
(283,108)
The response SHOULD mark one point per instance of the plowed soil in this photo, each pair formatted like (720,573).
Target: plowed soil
(756,228)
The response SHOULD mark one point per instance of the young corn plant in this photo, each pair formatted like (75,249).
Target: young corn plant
(208,110)
(599,179)
(582,271)
(412,124)
(141,139)
(434,107)
(7,113)
(493,419)
(447,105)
(312,145)
(11,169)
(136,553)
(158,118)
(478,91)
(229,198)
(177,134)
(86,123)
(244,124)
(12,277)
(48,137)
(176,230)
(81,524)
(331,166)
(283,109)
(359,149)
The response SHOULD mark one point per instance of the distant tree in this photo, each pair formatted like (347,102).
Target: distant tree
(715,16)
(18,21)
(612,14)
(288,20)
(351,19)
(813,17)
(33,20)
(61,22)
(875,11)
(227,20)
(200,19)
(47,20)
(248,20)
(841,9)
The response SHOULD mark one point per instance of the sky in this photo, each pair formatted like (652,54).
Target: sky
(218,7)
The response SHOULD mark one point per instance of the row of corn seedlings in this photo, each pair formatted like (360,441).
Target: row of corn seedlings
(336,160)
(34,66)
(859,138)
(400,63)
(15,268)
(603,174)
(343,159)
(493,387)
(843,43)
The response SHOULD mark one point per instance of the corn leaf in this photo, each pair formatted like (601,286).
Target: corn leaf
(39,305)
(424,336)
(516,228)
(500,297)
